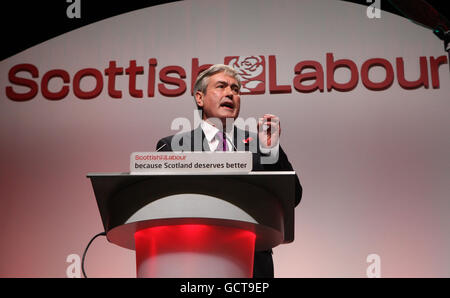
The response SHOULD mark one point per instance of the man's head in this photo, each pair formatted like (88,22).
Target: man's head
(216,92)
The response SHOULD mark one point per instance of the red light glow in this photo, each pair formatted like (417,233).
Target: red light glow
(191,250)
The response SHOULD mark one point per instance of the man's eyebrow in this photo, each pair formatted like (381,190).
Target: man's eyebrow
(222,82)
(226,83)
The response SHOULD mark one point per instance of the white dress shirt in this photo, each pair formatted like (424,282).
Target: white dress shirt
(210,132)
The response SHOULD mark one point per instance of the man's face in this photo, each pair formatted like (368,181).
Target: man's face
(221,99)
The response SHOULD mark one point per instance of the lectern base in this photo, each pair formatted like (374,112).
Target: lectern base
(194,251)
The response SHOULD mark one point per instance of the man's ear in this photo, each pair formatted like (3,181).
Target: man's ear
(199,98)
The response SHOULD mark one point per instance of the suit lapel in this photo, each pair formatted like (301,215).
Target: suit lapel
(198,140)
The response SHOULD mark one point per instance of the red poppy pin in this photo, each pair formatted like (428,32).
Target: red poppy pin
(247,140)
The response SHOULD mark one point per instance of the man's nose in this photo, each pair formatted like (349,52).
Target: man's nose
(229,92)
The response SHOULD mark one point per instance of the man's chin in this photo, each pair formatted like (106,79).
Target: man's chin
(222,120)
(227,114)
(230,117)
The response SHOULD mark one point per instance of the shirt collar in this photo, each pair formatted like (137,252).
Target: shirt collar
(210,131)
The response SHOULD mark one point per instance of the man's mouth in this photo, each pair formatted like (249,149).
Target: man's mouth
(228,105)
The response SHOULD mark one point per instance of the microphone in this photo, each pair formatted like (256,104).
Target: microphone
(235,149)
(161,147)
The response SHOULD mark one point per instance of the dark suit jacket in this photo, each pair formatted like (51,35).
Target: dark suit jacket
(263,263)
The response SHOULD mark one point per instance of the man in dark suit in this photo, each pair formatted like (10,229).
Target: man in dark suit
(216,92)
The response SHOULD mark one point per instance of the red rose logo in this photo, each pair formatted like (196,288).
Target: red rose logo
(251,70)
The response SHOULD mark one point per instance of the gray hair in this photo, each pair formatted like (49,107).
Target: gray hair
(201,83)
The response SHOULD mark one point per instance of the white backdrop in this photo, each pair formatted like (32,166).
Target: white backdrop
(375,165)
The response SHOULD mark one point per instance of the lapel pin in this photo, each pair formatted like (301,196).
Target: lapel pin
(247,140)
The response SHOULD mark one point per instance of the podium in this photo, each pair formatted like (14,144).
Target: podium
(189,225)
